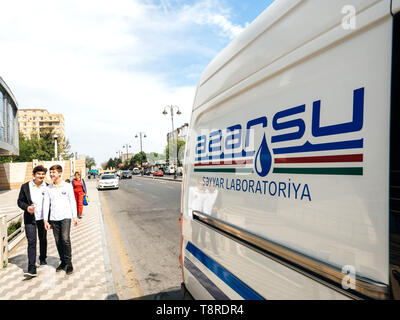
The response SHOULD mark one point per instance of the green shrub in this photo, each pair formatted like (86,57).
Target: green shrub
(13,227)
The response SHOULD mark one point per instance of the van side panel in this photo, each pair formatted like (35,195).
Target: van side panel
(297,155)
(259,274)
(288,25)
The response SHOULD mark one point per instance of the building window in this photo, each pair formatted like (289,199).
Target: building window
(2,111)
(12,116)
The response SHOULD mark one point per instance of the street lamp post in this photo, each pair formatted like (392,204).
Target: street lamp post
(127,146)
(119,153)
(55,146)
(178,112)
(141,145)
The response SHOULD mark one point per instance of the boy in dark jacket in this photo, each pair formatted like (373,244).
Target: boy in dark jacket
(30,200)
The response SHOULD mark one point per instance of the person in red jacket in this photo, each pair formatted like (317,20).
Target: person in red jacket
(79,190)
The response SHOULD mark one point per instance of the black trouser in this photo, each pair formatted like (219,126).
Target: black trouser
(61,231)
(30,231)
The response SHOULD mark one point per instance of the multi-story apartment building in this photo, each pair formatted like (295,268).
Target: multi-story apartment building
(32,121)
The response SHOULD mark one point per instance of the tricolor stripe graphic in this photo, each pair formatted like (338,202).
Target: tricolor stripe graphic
(280,165)
(211,166)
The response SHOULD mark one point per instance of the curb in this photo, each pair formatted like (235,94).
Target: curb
(166,179)
(107,263)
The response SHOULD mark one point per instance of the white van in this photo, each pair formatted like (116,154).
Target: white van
(287,165)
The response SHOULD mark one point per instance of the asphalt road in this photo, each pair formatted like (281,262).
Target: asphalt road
(142,230)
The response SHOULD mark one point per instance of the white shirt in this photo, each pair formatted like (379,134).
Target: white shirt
(196,200)
(61,199)
(37,196)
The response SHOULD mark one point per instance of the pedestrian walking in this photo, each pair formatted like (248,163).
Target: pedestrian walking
(79,191)
(30,199)
(60,197)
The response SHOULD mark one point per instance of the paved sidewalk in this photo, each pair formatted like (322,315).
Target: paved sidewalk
(92,276)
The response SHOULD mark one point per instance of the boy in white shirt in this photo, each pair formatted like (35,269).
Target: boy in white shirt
(60,197)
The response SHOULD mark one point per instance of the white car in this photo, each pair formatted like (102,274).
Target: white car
(108,181)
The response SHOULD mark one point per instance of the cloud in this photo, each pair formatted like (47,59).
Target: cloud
(110,68)
(210,13)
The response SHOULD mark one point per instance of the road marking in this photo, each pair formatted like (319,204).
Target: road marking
(129,273)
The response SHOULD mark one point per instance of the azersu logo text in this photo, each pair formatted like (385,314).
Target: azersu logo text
(233,146)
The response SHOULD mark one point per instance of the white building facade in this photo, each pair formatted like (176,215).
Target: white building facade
(9,141)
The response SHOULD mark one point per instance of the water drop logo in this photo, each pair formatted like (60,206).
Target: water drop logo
(263,159)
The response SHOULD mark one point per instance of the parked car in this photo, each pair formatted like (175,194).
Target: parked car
(135,171)
(126,175)
(108,181)
(158,173)
(147,172)
(170,169)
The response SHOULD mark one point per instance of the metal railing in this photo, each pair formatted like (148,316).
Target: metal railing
(8,216)
(13,238)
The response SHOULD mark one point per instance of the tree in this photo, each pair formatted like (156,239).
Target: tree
(40,147)
(90,162)
(63,146)
(112,163)
(153,157)
(181,148)
(139,158)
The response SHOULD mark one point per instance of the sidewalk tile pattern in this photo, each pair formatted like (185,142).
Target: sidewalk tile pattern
(87,282)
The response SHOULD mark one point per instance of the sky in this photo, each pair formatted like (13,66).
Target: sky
(110,67)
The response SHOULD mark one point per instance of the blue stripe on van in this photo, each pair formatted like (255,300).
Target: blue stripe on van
(212,289)
(232,281)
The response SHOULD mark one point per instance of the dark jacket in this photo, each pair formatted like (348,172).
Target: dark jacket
(24,201)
